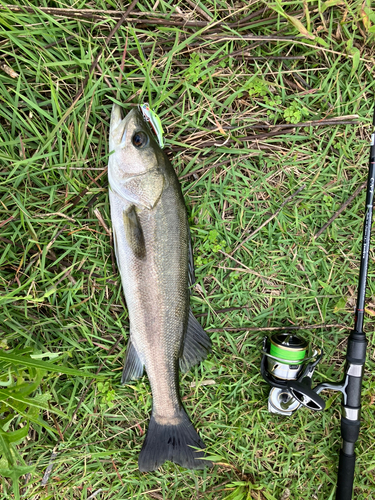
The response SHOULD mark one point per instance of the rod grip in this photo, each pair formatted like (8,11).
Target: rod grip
(345,476)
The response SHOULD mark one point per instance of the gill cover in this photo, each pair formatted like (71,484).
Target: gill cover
(133,168)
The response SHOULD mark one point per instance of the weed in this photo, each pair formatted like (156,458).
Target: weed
(295,113)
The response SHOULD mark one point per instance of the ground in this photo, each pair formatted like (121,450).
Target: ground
(267,111)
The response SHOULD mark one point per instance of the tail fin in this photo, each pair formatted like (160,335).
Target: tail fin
(174,443)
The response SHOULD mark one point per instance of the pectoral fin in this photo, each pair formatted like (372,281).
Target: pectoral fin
(197,344)
(133,232)
(115,244)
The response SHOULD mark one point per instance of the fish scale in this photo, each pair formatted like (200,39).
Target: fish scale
(153,253)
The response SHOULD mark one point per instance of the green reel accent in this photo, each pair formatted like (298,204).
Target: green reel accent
(289,348)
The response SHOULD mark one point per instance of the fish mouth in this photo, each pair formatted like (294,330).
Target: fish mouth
(116,117)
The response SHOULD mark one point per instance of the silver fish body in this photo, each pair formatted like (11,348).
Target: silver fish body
(152,245)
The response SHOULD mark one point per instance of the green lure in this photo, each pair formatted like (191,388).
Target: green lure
(154,121)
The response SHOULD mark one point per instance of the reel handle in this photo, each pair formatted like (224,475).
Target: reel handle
(302,392)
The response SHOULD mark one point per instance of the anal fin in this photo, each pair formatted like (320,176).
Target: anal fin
(133,367)
(197,344)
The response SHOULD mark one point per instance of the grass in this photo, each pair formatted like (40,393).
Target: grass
(61,297)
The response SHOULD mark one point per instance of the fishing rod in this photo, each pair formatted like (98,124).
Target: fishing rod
(288,365)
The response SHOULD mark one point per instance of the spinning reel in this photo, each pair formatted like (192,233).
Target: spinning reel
(288,367)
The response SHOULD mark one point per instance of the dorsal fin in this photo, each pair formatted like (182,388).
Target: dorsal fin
(191,273)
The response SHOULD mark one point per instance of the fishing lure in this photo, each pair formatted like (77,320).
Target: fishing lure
(154,121)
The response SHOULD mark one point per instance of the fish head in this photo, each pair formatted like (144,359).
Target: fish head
(135,151)
(136,160)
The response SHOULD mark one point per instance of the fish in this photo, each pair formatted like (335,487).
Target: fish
(153,250)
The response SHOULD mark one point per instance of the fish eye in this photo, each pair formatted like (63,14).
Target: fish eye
(140,139)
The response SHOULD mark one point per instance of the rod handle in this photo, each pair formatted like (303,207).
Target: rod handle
(345,476)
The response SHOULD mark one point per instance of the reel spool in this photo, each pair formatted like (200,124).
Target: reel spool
(287,368)
(286,356)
